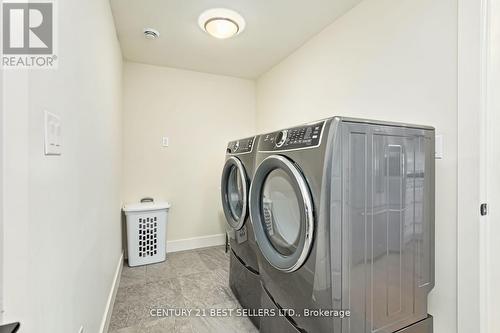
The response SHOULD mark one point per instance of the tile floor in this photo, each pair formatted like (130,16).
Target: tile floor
(196,279)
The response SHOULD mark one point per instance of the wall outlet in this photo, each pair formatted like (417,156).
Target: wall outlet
(164,141)
(439,149)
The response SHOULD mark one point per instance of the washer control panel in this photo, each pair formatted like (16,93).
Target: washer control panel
(240,146)
(306,136)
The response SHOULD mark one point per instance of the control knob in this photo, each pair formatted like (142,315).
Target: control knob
(281,138)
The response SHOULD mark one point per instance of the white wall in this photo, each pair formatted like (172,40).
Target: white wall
(62,214)
(199,113)
(390,60)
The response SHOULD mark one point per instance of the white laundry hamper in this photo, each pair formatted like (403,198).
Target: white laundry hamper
(146,231)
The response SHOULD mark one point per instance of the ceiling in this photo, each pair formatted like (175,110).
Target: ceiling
(274,29)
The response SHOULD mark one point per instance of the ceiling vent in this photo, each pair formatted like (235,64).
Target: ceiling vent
(151,33)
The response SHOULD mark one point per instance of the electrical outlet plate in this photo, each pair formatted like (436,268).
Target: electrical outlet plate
(52,134)
(439,149)
(164,141)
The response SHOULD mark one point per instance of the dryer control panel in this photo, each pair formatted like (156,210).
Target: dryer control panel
(306,136)
(240,146)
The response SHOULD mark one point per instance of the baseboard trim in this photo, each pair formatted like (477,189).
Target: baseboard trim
(112,296)
(195,242)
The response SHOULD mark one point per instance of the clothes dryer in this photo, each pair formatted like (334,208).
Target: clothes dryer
(244,278)
(343,214)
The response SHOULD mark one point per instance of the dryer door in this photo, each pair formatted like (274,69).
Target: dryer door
(281,212)
(234,190)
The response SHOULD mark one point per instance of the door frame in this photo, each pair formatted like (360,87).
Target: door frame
(472,67)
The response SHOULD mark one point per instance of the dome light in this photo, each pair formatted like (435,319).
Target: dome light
(221,23)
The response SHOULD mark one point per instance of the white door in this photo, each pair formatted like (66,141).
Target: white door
(1,191)
(478,166)
(492,171)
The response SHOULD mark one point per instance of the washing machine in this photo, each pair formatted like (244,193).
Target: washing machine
(244,278)
(343,215)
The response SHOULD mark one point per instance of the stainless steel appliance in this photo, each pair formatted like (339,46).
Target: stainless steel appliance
(343,214)
(244,278)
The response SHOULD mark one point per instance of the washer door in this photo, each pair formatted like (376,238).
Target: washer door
(281,211)
(234,190)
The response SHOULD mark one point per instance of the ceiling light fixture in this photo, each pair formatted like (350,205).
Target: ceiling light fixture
(221,23)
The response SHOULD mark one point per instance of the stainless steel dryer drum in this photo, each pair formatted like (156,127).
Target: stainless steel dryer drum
(244,278)
(343,215)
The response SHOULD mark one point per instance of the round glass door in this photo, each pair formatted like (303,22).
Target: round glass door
(281,213)
(282,209)
(234,190)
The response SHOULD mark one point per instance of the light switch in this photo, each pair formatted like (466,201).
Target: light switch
(52,134)
(164,141)
(439,149)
